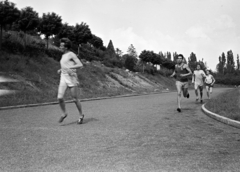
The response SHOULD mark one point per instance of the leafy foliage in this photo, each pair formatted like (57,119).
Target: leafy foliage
(130,62)
(28,20)
(82,34)
(8,14)
(50,25)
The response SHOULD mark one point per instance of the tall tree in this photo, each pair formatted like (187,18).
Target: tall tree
(223,62)
(174,56)
(169,56)
(238,65)
(50,24)
(132,51)
(230,62)
(111,50)
(192,61)
(118,53)
(8,14)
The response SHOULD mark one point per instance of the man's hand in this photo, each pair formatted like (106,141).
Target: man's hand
(67,71)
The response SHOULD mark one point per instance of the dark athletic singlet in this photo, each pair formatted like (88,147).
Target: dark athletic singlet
(180,70)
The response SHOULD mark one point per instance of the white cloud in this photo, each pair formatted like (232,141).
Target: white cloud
(197,32)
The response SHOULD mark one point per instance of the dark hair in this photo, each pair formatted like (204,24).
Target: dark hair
(67,42)
(180,55)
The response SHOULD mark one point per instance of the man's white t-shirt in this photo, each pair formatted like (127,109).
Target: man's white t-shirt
(199,75)
(67,62)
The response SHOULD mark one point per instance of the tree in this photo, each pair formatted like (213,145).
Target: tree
(8,14)
(230,62)
(27,21)
(192,61)
(96,41)
(132,51)
(118,53)
(82,34)
(146,56)
(238,65)
(66,32)
(130,62)
(174,56)
(111,50)
(50,24)
(169,56)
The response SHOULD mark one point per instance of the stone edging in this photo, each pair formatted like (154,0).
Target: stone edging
(222,119)
(82,100)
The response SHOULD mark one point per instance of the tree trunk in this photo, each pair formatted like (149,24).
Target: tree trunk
(47,42)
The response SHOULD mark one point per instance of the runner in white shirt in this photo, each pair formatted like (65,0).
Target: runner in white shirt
(209,81)
(68,79)
(198,80)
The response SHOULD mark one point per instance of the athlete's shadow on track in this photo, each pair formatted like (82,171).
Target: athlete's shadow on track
(85,121)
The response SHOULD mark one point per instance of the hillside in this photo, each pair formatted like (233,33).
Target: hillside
(38,80)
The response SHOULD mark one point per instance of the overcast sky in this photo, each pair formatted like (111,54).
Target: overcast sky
(205,27)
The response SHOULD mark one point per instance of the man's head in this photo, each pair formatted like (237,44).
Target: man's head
(198,67)
(65,44)
(208,71)
(180,58)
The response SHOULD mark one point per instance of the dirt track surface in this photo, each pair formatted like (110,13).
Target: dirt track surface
(133,134)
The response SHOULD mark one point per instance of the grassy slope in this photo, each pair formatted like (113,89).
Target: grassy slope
(39,80)
(226,104)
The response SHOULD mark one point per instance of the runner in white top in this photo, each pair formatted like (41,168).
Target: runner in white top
(68,79)
(209,81)
(197,79)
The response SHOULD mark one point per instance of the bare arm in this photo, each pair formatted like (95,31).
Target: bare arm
(193,78)
(189,72)
(77,62)
(173,74)
(213,80)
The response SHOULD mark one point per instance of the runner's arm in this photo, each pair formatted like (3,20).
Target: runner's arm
(174,73)
(213,80)
(78,63)
(189,71)
(193,78)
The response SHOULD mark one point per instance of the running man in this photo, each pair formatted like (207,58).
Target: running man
(181,73)
(209,81)
(68,78)
(198,81)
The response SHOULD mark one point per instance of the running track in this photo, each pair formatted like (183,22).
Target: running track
(132,134)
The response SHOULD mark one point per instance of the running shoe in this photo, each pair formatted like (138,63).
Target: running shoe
(178,109)
(62,118)
(80,120)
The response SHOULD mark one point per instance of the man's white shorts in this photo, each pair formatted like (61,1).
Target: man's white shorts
(65,82)
(69,80)
(197,85)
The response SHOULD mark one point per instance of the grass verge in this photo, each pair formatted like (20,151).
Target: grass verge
(226,104)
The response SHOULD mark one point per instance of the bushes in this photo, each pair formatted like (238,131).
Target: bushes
(228,79)
(20,43)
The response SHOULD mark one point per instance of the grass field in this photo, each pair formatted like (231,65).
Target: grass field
(226,104)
